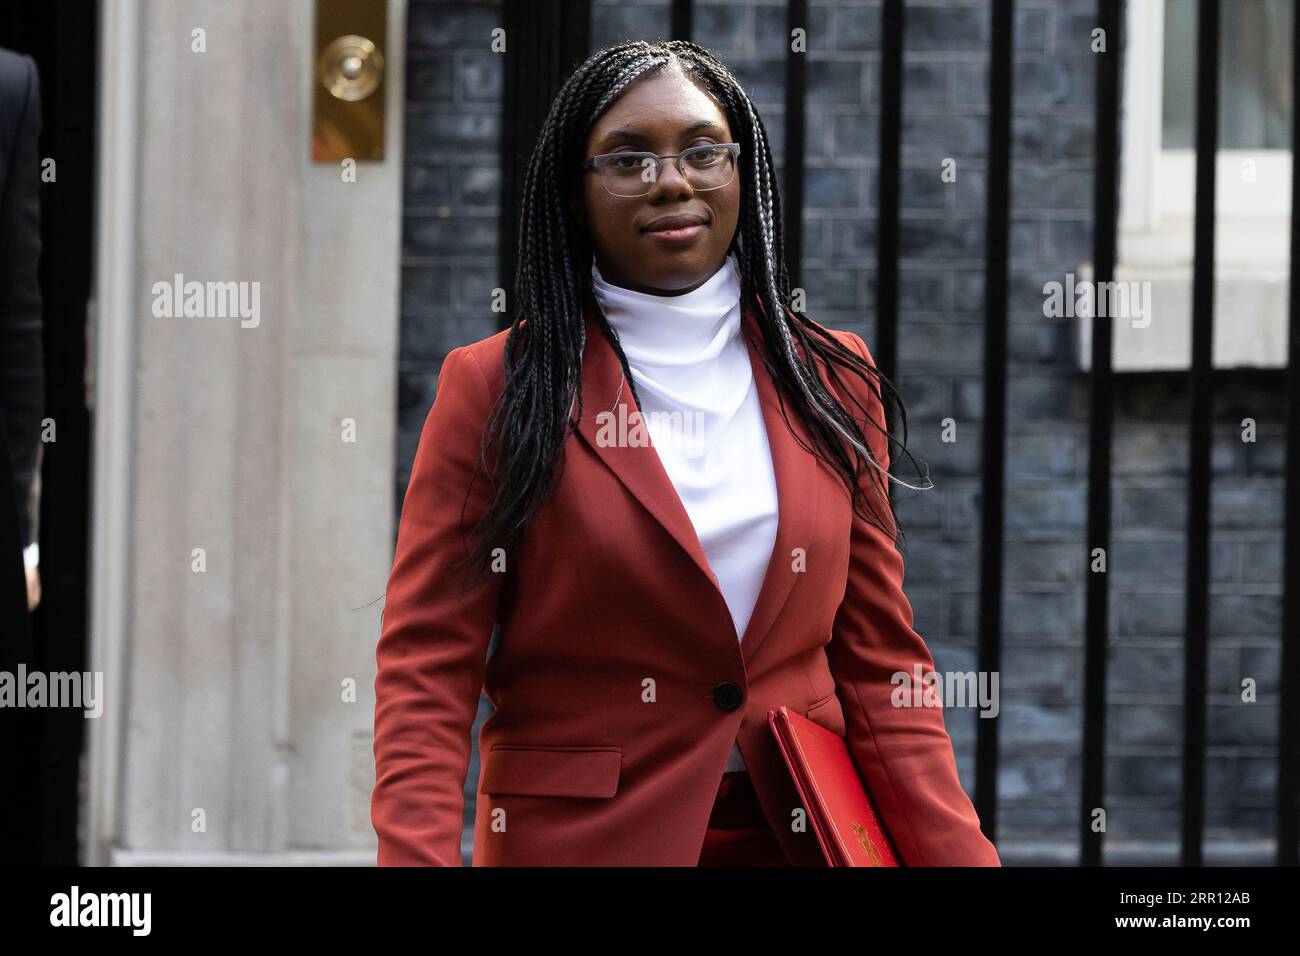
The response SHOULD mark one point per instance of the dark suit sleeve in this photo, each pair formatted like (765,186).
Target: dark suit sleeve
(22,380)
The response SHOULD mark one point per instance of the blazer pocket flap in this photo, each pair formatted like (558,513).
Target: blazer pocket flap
(828,712)
(819,702)
(538,771)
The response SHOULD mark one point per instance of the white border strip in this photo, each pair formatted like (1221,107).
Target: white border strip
(113,331)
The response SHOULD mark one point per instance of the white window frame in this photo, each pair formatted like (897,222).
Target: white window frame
(1156,225)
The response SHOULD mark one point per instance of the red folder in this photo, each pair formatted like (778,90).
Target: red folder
(832,792)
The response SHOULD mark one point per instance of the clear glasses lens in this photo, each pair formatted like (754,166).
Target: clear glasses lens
(633,174)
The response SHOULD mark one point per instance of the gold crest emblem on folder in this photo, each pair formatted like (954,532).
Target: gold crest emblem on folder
(866,844)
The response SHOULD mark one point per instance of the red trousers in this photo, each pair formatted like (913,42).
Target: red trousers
(738,833)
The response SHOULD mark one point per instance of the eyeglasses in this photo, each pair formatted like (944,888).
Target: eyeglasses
(710,166)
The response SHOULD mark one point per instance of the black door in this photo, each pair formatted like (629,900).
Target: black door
(62,39)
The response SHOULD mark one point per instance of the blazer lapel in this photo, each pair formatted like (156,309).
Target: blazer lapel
(796,490)
(607,399)
(641,471)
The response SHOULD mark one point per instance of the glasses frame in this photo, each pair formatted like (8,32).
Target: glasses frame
(599,161)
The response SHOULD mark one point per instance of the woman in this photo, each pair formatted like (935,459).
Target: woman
(660,581)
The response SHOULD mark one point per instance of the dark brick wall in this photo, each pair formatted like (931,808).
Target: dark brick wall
(451,199)
(453,125)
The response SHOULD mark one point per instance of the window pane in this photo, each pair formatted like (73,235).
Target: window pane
(1254,78)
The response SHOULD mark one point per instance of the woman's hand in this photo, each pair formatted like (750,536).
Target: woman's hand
(31,566)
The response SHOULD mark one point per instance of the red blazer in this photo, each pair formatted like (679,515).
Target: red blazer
(619,683)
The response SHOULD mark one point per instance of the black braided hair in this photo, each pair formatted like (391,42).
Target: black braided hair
(533,416)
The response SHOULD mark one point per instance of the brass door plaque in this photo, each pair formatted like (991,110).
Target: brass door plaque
(348,80)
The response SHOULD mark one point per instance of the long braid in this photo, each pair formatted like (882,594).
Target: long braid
(542,398)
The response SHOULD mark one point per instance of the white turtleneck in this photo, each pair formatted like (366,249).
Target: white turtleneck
(701,407)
